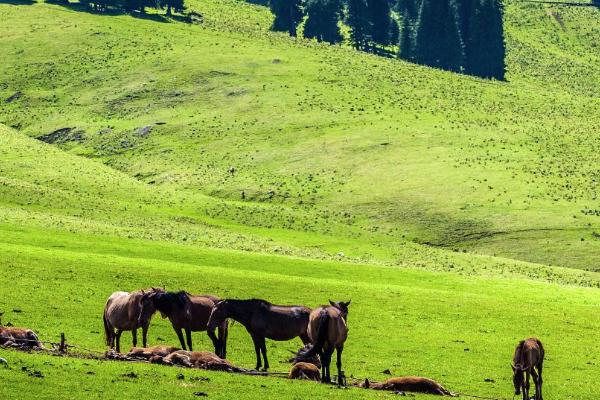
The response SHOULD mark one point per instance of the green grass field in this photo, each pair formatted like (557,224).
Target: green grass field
(459,215)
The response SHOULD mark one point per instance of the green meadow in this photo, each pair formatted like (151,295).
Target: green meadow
(460,215)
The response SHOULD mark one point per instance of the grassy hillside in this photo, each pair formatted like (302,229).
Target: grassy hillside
(424,196)
(457,329)
(384,146)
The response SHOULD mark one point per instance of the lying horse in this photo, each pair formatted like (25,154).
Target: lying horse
(529,356)
(19,337)
(413,384)
(328,331)
(305,370)
(196,359)
(148,352)
(262,320)
(122,313)
(185,312)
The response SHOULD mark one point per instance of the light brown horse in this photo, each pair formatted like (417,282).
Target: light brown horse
(328,331)
(528,361)
(197,359)
(148,352)
(262,320)
(122,313)
(304,370)
(18,337)
(185,312)
(415,384)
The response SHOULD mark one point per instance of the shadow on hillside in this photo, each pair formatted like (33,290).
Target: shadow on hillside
(113,12)
(18,2)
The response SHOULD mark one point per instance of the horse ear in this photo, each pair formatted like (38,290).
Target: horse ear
(332,303)
(348,302)
(143,291)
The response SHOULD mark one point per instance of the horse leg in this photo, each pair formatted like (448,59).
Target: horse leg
(341,378)
(118,340)
(540,381)
(536,381)
(256,341)
(145,335)
(263,347)
(188,335)
(526,386)
(223,331)
(180,336)
(326,361)
(134,337)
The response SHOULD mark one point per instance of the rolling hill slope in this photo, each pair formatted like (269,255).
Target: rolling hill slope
(363,178)
(407,152)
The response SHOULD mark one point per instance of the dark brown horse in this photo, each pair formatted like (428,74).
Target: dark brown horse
(185,312)
(328,331)
(528,361)
(262,320)
(122,313)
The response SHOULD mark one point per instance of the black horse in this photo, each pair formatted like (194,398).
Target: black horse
(262,320)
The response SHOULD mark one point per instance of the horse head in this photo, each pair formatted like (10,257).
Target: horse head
(342,306)
(517,377)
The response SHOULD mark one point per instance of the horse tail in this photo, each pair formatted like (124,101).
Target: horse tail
(317,347)
(108,331)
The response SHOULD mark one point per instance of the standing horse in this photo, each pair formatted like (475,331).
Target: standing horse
(185,312)
(262,320)
(328,331)
(122,313)
(529,357)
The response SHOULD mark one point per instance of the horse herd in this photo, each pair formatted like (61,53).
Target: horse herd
(322,330)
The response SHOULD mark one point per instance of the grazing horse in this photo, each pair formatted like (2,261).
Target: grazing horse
(327,330)
(413,384)
(185,312)
(262,320)
(529,357)
(122,313)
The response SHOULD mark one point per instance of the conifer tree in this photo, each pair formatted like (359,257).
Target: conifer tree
(485,50)
(322,20)
(438,42)
(360,24)
(409,11)
(381,21)
(288,15)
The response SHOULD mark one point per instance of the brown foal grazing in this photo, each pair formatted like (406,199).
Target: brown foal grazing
(122,313)
(528,361)
(262,320)
(185,312)
(413,384)
(328,331)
